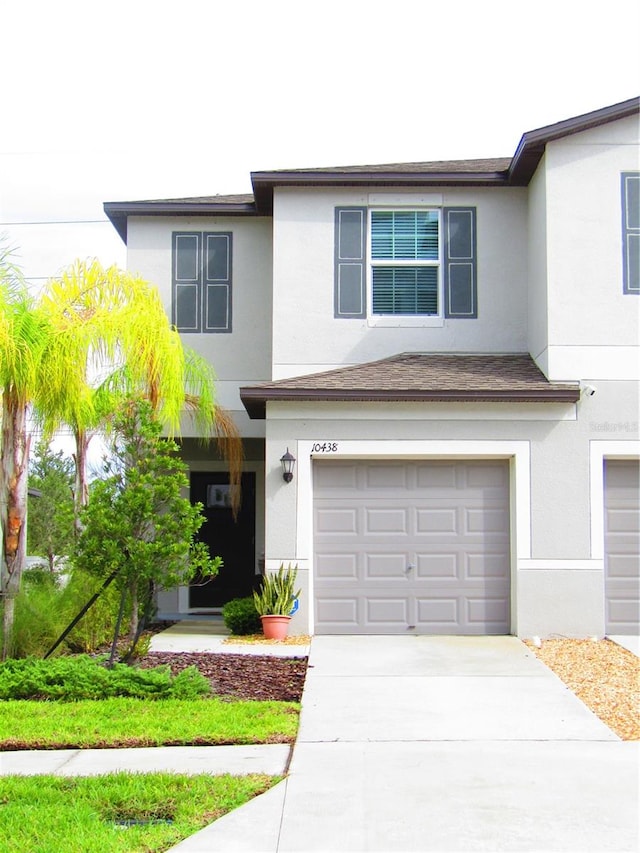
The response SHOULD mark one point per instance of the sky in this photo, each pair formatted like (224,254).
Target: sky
(113,100)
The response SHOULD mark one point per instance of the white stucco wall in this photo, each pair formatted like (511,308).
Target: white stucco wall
(308,338)
(593,328)
(242,357)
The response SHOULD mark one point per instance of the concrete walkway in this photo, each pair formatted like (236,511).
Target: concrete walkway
(440,744)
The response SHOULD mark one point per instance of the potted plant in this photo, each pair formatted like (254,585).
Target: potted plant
(274,601)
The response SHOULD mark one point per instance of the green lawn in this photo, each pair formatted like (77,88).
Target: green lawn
(120,722)
(122,812)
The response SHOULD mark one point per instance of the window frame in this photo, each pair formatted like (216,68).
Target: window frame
(408,320)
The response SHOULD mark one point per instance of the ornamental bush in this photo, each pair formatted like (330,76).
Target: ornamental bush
(241,617)
(83,677)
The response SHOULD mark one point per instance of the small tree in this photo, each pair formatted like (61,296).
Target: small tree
(138,523)
(50,520)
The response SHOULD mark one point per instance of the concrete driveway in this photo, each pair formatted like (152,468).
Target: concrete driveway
(440,744)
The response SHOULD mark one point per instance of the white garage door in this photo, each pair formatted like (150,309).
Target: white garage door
(622,546)
(411,547)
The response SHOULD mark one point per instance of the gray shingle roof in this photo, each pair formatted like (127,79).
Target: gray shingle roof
(420,377)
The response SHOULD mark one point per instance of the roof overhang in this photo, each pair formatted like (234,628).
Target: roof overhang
(418,378)
(119,211)
(264,183)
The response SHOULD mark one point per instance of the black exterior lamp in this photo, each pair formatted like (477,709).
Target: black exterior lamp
(288,461)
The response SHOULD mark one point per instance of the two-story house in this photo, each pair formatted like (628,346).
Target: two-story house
(449,351)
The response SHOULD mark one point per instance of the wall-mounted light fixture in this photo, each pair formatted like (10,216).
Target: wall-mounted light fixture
(288,461)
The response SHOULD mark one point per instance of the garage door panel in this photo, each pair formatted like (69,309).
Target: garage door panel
(337,612)
(343,477)
(485,477)
(623,566)
(440,614)
(624,611)
(487,564)
(486,520)
(386,520)
(386,611)
(441,520)
(382,478)
(440,475)
(385,566)
(621,520)
(338,520)
(622,546)
(331,567)
(487,611)
(443,566)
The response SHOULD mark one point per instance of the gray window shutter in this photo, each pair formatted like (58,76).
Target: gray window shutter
(631,232)
(350,262)
(216,295)
(460,261)
(186,281)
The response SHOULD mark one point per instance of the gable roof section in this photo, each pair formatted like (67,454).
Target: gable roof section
(498,172)
(532,144)
(418,377)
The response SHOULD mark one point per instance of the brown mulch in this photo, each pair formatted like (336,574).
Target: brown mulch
(604,675)
(240,676)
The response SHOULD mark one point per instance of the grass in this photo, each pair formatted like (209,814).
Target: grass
(125,722)
(119,813)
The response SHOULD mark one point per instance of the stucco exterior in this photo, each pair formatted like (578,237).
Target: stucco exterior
(245,354)
(549,284)
(303,276)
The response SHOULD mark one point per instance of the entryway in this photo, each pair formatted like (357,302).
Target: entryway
(231,538)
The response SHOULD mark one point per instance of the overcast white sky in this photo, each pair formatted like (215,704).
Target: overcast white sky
(113,100)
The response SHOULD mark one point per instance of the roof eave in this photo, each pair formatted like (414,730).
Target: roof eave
(264,182)
(255,399)
(118,212)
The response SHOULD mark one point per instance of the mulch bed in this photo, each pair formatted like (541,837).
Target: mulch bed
(240,676)
(605,676)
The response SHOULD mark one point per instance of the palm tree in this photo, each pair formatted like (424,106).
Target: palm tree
(114,340)
(24,334)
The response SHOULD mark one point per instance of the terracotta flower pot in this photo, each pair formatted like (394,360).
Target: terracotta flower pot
(275,627)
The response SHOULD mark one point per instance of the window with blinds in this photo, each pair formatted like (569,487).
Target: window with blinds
(405,262)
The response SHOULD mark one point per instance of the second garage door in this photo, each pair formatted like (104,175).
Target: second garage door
(622,546)
(411,547)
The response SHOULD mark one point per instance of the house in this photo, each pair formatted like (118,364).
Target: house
(449,350)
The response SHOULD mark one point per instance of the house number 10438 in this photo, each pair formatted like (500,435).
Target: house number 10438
(325,447)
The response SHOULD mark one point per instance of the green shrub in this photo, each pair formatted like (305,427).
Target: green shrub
(83,677)
(95,629)
(40,577)
(44,610)
(241,617)
(39,619)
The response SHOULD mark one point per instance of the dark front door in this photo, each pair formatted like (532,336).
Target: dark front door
(229,538)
